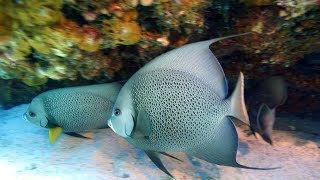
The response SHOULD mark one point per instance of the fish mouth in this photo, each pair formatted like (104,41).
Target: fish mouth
(110,125)
(25,116)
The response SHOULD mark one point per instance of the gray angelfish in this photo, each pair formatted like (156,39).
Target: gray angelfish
(178,103)
(73,109)
(262,105)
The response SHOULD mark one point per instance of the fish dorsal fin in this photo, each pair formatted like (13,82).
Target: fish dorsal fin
(222,150)
(265,120)
(107,90)
(142,127)
(154,156)
(54,134)
(196,59)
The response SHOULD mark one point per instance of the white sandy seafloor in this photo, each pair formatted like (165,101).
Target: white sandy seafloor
(25,153)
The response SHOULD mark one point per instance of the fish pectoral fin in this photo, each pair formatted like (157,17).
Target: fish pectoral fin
(223,148)
(154,156)
(54,134)
(265,121)
(78,135)
(166,154)
(143,125)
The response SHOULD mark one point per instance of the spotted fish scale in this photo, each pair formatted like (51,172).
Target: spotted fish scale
(69,109)
(180,106)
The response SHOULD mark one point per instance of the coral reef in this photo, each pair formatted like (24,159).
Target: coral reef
(72,40)
(82,42)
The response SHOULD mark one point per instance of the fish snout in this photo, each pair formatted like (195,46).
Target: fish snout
(110,125)
(25,117)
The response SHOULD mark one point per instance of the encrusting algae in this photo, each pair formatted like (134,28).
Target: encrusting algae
(43,40)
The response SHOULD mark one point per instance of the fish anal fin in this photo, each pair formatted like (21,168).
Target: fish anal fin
(265,121)
(54,134)
(222,149)
(154,156)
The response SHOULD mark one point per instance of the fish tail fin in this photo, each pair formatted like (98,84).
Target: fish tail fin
(238,106)
(265,120)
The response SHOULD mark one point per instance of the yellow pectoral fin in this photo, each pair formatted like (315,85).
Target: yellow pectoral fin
(54,134)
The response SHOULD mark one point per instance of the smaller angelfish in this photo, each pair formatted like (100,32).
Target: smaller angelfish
(262,105)
(74,109)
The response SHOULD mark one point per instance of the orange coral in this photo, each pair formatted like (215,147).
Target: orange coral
(130,16)
(127,33)
(90,41)
(121,32)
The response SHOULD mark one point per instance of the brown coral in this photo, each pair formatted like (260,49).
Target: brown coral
(69,40)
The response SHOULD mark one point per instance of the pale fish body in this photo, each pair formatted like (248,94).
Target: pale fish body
(74,109)
(178,102)
(182,113)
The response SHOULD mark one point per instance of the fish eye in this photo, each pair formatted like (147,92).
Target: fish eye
(117,112)
(32,114)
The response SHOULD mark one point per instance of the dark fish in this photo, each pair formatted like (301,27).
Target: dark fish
(262,105)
